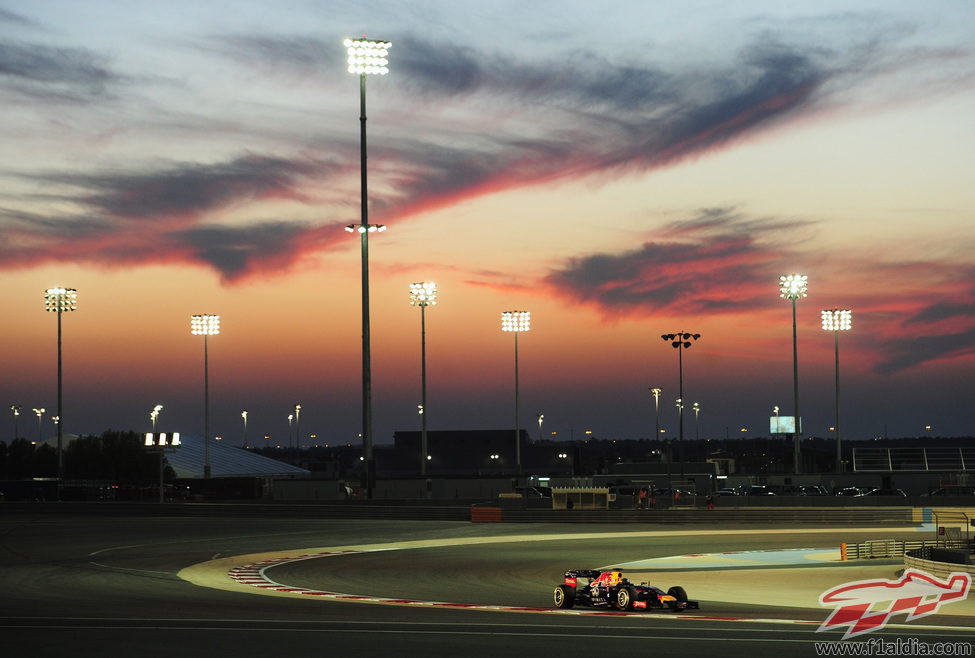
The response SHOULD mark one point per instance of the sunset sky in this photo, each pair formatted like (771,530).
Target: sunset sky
(619,169)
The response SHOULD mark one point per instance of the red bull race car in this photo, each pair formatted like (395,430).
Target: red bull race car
(609,589)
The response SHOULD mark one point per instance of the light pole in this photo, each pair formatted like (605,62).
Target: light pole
(366,57)
(40,416)
(837,320)
(291,418)
(793,287)
(656,391)
(243,414)
(297,430)
(15,408)
(205,325)
(541,417)
(60,300)
(697,422)
(516,321)
(153,415)
(680,341)
(423,294)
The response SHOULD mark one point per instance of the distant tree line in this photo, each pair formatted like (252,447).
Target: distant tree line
(117,457)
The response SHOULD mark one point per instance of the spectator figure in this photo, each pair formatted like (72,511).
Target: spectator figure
(710,501)
(653,498)
(643,498)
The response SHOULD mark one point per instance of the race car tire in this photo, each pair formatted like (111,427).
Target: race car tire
(681,596)
(624,598)
(564,596)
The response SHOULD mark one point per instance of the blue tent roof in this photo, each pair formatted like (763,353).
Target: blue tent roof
(225,461)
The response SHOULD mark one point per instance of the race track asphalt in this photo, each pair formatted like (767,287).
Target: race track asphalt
(93,585)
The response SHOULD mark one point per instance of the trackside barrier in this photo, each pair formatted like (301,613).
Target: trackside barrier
(887,548)
(485,515)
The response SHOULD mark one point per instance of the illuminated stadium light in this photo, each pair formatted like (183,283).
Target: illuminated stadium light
(60,300)
(792,286)
(204,324)
(516,321)
(837,320)
(368,56)
(423,294)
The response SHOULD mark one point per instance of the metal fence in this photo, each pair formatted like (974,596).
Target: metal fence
(892,548)
(913,459)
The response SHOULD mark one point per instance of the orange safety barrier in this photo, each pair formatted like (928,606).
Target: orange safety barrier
(485,515)
(843,551)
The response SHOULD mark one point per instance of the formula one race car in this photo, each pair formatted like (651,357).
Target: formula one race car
(609,589)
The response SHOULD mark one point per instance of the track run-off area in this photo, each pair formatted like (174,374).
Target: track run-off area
(92,584)
(786,578)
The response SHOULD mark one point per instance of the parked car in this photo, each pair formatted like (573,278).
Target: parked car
(726,492)
(884,492)
(759,490)
(952,490)
(811,490)
(851,491)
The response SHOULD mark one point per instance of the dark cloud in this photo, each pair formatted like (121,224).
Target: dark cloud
(15,19)
(717,261)
(942,327)
(300,55)
(237,252)
(157,217)
(69,74)
(185,191)
(914,350)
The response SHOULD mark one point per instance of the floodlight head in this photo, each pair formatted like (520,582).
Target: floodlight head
(59,300)
(792,286)
(837,319)
(204,325)
(516,321)
(423,294)
(367,56)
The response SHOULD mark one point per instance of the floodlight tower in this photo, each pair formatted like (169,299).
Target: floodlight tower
(366,57)
(40,423)
(60,300)
(516,322)
(15,408)
(837,320)
(655,391)
(793,286)
(243,414)
(153,415)
(680,341)
(423,294)
(205,325)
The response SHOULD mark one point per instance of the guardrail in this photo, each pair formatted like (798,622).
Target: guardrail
(889,548)
(421,510)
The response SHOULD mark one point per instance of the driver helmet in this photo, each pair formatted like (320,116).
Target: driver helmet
(615,578)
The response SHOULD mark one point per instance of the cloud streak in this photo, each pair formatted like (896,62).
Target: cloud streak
(716,262)
(577,116)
